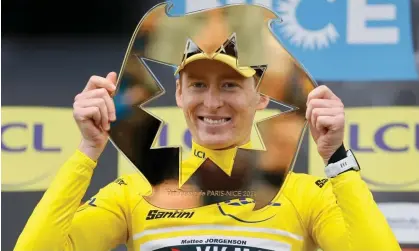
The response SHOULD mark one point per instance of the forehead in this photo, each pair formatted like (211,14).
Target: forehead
(209,68)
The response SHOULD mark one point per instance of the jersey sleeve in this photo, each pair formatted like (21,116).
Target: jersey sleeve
(344,216)
(58,222)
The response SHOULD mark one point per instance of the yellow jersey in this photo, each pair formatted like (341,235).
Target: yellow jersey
(309,213)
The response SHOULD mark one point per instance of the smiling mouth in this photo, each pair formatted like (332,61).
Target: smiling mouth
(214,121)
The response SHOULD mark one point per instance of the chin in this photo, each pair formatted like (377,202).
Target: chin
(216,142)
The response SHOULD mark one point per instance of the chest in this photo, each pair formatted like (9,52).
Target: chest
(226,226)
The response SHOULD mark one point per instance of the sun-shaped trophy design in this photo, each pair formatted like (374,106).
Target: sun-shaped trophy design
(239,96)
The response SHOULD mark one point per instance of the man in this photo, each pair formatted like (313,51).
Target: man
(219,101)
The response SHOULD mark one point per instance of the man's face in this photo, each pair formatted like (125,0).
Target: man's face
(219,104)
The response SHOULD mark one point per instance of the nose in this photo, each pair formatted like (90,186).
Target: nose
(213,99)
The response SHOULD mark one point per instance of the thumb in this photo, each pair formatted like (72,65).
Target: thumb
(112,76)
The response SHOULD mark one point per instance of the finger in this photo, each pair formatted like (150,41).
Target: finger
(314,132)
(110,105)
(100,93)
(96,82)
(321,103)
(100,103)
(112,76)
(317,112)
(95,93)
(87,113)
(325,103)
(322,92)
(323,123)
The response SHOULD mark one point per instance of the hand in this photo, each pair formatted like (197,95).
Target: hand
(93,110)
(326,118)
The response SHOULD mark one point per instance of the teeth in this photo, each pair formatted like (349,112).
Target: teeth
(213,122)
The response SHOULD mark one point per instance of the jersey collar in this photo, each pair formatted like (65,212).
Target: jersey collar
(222,158)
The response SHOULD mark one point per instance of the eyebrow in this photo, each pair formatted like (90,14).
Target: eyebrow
(189,75)
(225,76)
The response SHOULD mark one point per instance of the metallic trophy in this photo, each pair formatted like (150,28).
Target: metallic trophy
(153,133)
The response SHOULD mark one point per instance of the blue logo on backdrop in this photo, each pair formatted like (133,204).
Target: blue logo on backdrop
(336,40)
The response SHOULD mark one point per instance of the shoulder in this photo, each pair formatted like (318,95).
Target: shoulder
(301,188)
(308,195)
(305,180)
(134,183)
(125,188)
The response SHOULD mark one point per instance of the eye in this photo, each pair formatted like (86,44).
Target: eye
(230,85)
(198,85)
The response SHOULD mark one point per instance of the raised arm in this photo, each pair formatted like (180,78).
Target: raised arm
(343,215)
(56,223)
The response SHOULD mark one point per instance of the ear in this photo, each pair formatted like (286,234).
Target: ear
(178,94)
(263,102)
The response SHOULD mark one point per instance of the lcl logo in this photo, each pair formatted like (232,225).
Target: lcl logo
(199,154)
(36,137)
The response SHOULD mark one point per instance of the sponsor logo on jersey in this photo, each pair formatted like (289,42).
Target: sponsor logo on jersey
(332,44)
(120,182)
(403,219)
(215,242)
(35,142)
(160,214)
(199,154)
(212,248)
(245,201)
(92,202)
(84,205)
(386,147)
(320,183)
(228,209)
